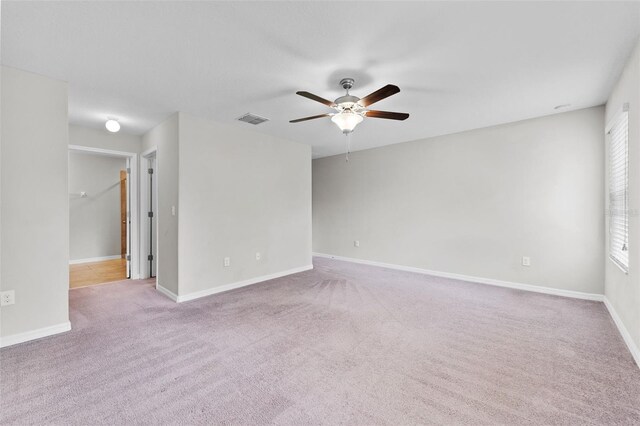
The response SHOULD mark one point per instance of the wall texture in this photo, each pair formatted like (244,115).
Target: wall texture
(94,221)
(241,192)
(34,204)
(474,203)
(103,139)
(165,137)
(622,290)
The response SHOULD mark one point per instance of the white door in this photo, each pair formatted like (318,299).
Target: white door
(129,187)
(152,255)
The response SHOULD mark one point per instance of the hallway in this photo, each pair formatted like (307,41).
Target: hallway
(92,273)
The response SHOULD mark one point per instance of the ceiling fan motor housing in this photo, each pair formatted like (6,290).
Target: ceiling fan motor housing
(347,101)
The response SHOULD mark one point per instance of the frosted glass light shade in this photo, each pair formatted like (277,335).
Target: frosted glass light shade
(347,121)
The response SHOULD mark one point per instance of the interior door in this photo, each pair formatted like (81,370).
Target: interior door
(123,213)
(127,217)
(153,223)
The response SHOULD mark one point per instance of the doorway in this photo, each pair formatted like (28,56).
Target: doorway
(103,200)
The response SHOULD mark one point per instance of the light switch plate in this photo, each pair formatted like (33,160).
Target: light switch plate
(526,261)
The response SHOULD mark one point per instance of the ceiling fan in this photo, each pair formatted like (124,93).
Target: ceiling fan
(351,110)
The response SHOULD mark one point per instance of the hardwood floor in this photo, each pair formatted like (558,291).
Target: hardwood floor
(86,274)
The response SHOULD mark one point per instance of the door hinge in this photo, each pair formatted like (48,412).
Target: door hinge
(150,171)
(129,170)
(128,257)
(150,257)
(150,214)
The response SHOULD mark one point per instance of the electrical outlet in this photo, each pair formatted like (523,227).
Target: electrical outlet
(227,261)
(7,298)
(258,256)
(356,243)
(526,261)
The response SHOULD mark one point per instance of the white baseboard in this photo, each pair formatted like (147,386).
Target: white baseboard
(232,286)
(14,339)
(171,295)
(95,259)
(633,348)
(479,280)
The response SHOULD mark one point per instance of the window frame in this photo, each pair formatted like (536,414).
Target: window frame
(621,117)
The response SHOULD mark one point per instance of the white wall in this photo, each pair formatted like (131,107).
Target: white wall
(622,290)
(34,204)
(94,221)
(165,137)
(103,139)
(474,203)
(241,192)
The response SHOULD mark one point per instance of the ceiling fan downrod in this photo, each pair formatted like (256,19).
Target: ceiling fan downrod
(347,84)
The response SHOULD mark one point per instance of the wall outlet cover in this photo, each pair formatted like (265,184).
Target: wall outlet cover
(227,261)
(7,298)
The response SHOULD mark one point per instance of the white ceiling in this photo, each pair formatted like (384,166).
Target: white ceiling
(459,65)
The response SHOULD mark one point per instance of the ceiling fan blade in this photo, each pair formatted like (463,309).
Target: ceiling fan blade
(313,117)
(379,94)
(387,114)
(316,98)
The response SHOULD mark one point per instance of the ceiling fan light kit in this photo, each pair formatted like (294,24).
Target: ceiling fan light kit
(351,110)
(347,121)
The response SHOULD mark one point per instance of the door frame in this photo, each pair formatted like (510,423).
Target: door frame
(134,251)
(126,209)
(145,162)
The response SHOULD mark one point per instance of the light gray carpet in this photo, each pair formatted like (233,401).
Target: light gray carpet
(342,344)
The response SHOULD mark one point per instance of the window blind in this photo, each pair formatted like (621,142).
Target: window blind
(618,191)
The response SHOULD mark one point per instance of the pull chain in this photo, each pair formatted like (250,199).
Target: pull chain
(348,135)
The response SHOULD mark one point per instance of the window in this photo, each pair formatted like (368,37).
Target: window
(619,190)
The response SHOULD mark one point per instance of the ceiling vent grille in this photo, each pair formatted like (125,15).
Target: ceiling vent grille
(252,119)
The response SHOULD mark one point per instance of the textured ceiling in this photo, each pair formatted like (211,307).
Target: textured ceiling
(459,65)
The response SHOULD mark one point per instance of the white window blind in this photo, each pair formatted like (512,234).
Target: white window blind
(619,190)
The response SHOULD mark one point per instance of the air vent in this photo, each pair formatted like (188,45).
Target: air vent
(252,119)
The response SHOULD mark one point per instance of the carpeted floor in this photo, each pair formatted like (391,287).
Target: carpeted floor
(342,344)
